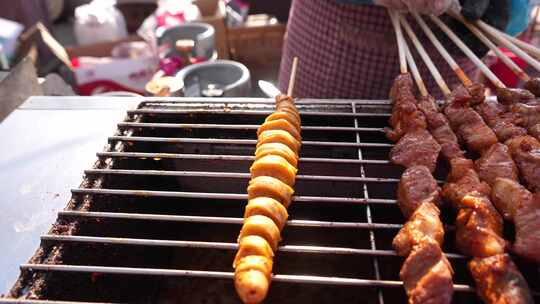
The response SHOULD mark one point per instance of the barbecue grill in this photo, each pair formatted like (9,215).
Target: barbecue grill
(156,218)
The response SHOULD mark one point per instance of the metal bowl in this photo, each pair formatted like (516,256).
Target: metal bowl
(201,33)
(215,79)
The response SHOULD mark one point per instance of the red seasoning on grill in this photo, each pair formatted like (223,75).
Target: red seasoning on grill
(270,192)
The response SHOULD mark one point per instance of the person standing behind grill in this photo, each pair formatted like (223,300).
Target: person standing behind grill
(348,47)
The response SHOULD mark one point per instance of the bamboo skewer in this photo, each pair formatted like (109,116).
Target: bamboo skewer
(449,59)
(504,58)
(406,56)
(292,78)
(532,26)
(506,43)
(400,41)
(470,54)
(427,60)
(414,71)
(527,47)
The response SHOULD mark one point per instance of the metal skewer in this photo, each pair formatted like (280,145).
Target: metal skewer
(504,58)
(470,54)
(427,60)
(453,64)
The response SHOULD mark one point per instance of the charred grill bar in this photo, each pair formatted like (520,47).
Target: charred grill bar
(157,216)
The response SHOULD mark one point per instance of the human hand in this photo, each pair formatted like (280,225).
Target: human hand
(493,12)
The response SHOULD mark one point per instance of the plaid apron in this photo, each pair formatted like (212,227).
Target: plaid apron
(349,51)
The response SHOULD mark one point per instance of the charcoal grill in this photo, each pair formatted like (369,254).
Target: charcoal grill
(156,218)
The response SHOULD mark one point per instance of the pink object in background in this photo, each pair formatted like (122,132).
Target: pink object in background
(504,73)
(168,18)
(171,65)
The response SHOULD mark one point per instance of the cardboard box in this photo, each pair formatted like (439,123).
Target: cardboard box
(213,12)
(119,74)
(258,43)
(102,49)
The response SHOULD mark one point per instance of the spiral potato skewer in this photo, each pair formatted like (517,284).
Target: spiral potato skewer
(270,193)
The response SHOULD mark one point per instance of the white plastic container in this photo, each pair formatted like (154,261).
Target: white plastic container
(99,21)
(9,33)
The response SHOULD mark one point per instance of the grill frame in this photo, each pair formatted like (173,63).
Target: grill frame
(119,148)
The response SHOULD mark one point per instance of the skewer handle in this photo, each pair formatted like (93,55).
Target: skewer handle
(400,41)
(506,43)
(415,73)
(427,60)
(504,58)
(292,78)
(485,70)
(442,50)
(527,47)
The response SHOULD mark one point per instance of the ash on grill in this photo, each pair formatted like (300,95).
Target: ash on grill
(156,218)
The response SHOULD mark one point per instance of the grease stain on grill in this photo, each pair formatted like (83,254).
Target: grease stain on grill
(94,286)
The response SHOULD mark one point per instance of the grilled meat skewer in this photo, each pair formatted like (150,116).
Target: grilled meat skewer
(416,186)
(416,148)
(479,226)
(426,273)
(519,205)
(439,127)
(499,165)
(499,280)
(496,162)
(523,149)
(533,86)
(467,123)
(405,116)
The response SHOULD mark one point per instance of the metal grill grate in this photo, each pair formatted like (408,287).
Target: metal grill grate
(156,219)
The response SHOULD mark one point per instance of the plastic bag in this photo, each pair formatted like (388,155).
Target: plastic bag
(176,12)
(168,14)
(99,21)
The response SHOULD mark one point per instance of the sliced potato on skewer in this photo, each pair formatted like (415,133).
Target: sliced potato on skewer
(268,207)
(287,116)
(287,104)
(279,136)
(255,262)
(285,101)
(270,191)
(291,111)
(277,149)
(266,186)
(274,166)
(283,98)
(262,226)
(252,245)
(252,278)
(280,124)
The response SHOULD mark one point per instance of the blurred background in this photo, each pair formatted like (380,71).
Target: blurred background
(133,46)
